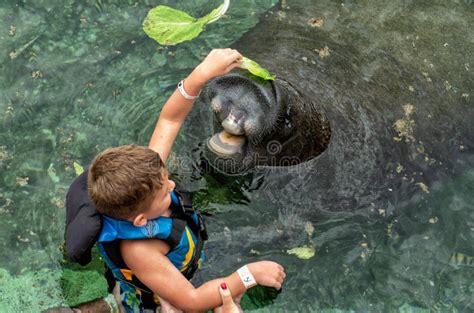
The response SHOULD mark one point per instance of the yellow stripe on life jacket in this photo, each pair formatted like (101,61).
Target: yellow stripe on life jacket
(189,254)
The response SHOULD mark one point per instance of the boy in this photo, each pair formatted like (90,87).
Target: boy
(129,185)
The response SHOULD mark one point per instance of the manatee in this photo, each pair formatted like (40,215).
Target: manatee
(385,201)
(264,122)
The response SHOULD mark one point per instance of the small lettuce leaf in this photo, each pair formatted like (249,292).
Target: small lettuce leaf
(169,26)
(78,169)
(305,252)
(254,68)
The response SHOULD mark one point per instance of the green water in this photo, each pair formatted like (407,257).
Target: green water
(80,76)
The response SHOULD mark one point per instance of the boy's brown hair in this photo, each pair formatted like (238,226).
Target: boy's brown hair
(123,180)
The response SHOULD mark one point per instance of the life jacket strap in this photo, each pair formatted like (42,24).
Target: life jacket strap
(185,210)
(176,232)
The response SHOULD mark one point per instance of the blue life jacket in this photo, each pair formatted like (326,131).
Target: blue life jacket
(183,231)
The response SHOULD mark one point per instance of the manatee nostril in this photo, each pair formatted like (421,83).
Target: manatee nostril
(233,122)
(231,118)
(236,114)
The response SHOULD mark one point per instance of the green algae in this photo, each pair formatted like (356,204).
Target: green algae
(46,288)
(31,291)
(82,286)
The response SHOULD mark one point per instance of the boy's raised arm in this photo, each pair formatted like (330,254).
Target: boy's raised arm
(218,62)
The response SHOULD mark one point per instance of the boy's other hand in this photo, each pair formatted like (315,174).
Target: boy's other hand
(218,62)
(267,273)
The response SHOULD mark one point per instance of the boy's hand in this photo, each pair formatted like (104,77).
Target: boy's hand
(218,62)
(267,273)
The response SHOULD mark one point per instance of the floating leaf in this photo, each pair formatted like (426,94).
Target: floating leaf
(77,168)
(22,181)
(254,68)
(169,26)
(423,187)
(305,252)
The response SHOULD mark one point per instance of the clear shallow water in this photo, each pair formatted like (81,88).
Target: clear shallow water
(83,77)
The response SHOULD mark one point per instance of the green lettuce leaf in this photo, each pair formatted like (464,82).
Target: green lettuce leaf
(305,252)
(254,68)
(78,169)
(169,26)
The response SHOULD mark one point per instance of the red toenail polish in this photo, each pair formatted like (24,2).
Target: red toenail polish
(224,286)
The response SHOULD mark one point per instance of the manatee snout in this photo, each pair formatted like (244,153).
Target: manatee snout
(240,106)
(250,113)
(234,117)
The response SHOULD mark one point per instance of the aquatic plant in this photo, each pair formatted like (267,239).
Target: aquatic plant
(46,288)
(81,286)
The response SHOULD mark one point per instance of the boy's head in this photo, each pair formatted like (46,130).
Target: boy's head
(125,181)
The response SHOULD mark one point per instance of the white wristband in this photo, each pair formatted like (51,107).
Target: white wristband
(247,278)
(184,93)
